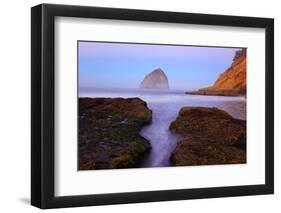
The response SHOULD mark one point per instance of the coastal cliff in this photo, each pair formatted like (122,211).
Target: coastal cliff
(232,82)
(109,132)
(157,79)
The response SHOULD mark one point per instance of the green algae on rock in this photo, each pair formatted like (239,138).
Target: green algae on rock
(109,132)
(209,136)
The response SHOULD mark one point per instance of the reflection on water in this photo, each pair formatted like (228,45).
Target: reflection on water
(165,105)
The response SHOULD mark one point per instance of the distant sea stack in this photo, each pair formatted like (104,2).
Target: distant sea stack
(157,79)
(232,82)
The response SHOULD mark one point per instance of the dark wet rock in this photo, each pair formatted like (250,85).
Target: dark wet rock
(109,132)
(209,136)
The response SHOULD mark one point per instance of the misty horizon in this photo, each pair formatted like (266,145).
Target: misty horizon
(125,65)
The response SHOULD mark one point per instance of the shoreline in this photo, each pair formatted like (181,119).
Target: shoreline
(217,93)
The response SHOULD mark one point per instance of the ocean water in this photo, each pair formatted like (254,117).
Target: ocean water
(165,105)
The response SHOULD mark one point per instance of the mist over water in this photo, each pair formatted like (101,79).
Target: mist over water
(165,105)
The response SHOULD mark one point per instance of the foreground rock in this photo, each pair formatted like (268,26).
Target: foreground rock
(209,136)
(109,132)
(157,79)
(231,82)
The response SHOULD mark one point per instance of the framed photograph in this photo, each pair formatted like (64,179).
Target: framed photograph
(139,106)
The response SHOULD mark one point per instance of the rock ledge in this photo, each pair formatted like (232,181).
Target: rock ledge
(109,132)
(209,136)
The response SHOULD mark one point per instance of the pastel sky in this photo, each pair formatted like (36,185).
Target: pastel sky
(124,65)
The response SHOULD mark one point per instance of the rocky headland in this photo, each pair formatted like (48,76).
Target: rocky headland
(232,82)
(157,79)
(109,132)
(209,136)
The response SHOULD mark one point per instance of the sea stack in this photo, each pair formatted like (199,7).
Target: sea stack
(157,79)
(232,82)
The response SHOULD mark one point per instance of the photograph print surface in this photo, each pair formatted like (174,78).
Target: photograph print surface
(160,105)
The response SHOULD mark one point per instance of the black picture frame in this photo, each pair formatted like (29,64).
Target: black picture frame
(43,102)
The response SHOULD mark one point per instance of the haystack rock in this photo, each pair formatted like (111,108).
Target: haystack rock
(157,79)
(232,81)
